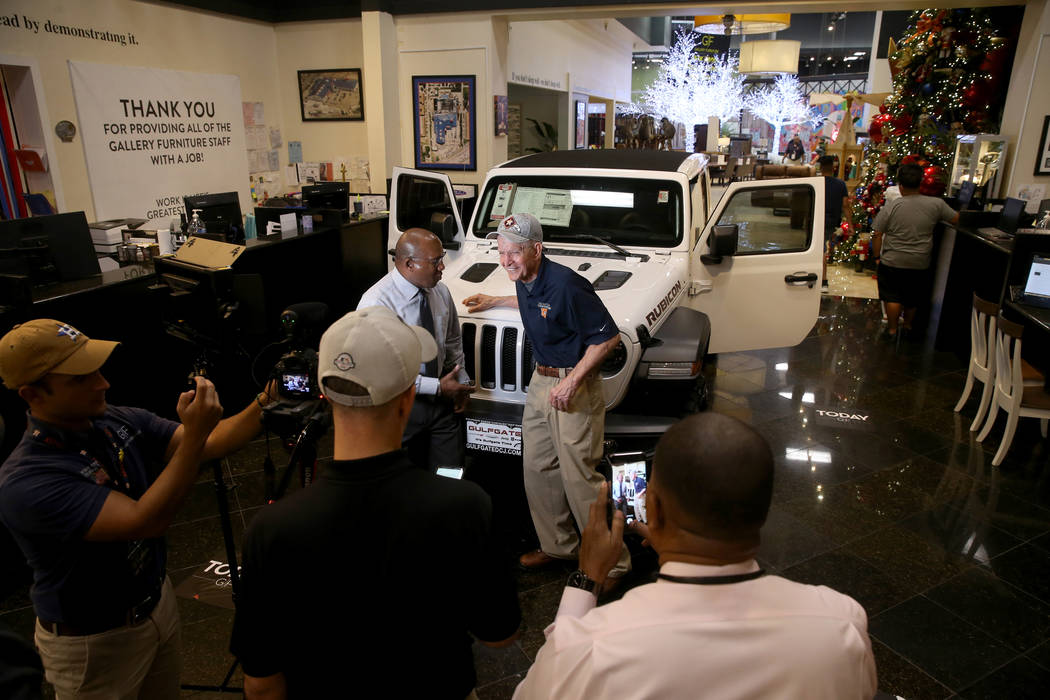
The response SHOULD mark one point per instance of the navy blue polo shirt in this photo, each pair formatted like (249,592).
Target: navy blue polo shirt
(51,491)
(562,315)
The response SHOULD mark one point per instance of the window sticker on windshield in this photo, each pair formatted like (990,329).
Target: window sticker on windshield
(663,196)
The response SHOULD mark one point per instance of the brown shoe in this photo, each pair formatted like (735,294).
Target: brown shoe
(537,559)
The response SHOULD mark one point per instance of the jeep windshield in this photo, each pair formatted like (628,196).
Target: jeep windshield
(622,211)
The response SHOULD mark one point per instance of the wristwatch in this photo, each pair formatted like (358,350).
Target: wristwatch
(578,579)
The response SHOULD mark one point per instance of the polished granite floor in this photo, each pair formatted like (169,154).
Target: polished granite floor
(880,493)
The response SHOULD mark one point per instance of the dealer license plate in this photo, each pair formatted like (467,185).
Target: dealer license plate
(494,436)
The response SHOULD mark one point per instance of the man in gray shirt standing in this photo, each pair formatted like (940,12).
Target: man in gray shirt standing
(903,242)
(413,290)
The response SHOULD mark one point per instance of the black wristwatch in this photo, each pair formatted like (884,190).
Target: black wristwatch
(578,579)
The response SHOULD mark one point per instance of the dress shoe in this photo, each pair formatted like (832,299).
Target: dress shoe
(537,559)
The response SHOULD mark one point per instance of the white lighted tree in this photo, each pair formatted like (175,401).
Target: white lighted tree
(781,104)
(689,89)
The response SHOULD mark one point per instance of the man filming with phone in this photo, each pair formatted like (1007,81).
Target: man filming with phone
(88,494)
(713,624)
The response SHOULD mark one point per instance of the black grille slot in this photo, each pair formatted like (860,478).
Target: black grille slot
(488,357)
(470,332)
(527,364)
(508,365)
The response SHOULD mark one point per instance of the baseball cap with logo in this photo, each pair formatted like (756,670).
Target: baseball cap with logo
(35,348)
(519,228)
(376,349)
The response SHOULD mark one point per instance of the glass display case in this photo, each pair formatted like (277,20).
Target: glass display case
(978,158)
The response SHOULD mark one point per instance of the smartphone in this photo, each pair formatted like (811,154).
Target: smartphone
(627,490)
(450,472)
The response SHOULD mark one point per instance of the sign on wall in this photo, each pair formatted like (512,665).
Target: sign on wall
(152,136)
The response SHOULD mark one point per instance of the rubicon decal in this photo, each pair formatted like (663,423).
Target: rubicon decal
(665,303)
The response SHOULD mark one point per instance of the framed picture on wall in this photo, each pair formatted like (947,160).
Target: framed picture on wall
(443,111)
(1042,160)
(581,124)
(501,114)
(332,95)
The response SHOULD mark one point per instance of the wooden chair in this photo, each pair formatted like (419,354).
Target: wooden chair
(982,359)
(1010,393)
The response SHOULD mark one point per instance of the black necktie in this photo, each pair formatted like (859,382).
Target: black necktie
(426,320)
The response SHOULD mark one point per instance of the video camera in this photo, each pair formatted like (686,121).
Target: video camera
(300,402)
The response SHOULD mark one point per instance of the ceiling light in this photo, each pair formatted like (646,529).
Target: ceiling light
(741,24)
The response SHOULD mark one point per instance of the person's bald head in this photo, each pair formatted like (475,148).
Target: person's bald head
(714,474)
(418,257)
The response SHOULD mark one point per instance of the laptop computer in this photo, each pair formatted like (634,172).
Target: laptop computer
(1009,219)
(1037,286)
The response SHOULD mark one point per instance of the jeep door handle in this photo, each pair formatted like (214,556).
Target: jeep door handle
(809,277)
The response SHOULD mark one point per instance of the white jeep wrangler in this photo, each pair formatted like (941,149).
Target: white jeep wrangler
(682,277)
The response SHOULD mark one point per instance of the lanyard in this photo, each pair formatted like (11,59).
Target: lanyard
(712,580)
(99,471)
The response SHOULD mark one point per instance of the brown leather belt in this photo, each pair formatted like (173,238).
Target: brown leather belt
(133,616)
(557,372)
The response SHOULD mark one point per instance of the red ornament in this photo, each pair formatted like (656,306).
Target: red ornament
(902,124)
(911,159)
(932,187)
(875,130)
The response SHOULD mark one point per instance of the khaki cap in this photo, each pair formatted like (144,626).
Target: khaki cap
(373,347)
(33,349)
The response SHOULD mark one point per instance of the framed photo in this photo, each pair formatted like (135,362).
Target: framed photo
(331,95)
(1042,160)
(501,114)
(443,110)
(581,124)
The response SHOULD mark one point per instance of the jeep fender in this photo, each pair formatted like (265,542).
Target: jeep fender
(684,339)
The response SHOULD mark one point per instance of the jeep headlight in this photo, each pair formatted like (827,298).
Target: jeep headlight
(615,360)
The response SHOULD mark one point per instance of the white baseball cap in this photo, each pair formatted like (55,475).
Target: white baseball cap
(519,228)
(373,347)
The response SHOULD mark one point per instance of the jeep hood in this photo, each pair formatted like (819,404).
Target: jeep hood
(635,293)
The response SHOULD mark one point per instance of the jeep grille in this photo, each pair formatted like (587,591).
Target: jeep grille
(498,356)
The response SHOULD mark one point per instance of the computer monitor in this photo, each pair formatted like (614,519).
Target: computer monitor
(1010,216)
(55,248)
(220,212)
(328,195)
(965,196)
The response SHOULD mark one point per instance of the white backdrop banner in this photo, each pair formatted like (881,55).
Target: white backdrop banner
(152,136)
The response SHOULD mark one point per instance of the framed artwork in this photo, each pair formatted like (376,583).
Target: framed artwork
(1042,160)
(443,110)
(501,114)
(331,95)
(581,124)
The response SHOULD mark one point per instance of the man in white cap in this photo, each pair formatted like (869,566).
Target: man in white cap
(378,564)
(563,425)
(88,494)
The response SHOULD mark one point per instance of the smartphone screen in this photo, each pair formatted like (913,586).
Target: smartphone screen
(627,490)
(450,472)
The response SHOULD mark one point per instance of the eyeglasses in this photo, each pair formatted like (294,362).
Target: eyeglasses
(433,261)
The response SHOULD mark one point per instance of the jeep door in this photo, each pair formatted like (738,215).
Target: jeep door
(761,290)
(420,199)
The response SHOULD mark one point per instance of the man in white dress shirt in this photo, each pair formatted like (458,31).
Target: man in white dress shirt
(413,290)
(713,625)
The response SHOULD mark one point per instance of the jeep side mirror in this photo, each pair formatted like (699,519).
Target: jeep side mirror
(722,241)
(444,227)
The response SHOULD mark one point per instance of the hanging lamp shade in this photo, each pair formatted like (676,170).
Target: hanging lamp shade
(769,56)
(741,24)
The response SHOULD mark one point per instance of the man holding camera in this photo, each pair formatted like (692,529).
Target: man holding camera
(393,563)
(413,290)
(88,494)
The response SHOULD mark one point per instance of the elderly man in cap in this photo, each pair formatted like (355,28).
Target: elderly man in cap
(413,289)
(88,494)
(380,571)
(563,426)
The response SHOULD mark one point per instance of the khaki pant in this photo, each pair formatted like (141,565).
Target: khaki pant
(561,450)
(141,661)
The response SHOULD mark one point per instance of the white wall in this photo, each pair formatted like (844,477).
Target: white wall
(165,37)
(1028,100)
(317,46)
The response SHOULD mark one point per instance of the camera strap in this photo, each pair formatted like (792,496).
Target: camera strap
(713,580)
(106,461)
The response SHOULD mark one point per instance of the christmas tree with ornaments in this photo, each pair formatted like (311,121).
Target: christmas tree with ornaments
(949,78)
